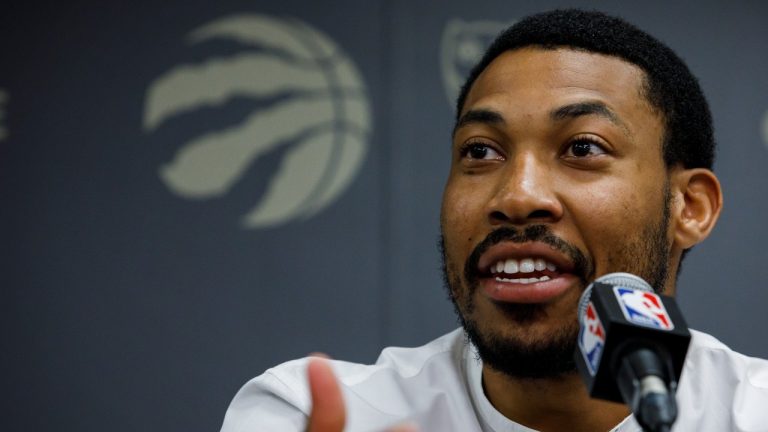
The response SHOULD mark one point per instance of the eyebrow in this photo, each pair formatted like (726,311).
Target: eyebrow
(570,111)
(482,116)
(580,109)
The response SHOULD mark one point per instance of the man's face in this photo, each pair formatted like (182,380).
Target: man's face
(556,178)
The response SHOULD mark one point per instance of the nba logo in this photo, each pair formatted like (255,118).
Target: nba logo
(591,338)
(643,308)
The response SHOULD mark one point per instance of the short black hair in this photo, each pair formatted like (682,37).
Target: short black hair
(669,86)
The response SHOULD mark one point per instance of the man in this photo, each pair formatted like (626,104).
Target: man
(582,147)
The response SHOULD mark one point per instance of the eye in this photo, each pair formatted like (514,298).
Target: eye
(584,147)
(479,151)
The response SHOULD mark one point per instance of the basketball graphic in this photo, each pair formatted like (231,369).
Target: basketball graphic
(311,101)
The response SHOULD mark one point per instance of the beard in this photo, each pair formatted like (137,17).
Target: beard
(550,355)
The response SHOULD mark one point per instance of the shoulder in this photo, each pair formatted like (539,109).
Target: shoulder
(443,352)
(707,354)
(381,393)
(396,362)
(723,388)
(276,400)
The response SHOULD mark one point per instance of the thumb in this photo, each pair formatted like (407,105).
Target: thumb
(404,427)
(328,414)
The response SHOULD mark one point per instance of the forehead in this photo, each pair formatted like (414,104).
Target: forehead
(529,78)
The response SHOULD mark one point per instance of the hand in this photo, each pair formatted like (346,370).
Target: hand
(328,413)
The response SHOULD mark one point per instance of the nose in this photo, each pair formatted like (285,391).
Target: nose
(524,193)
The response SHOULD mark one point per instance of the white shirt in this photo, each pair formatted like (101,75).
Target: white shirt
(438,387)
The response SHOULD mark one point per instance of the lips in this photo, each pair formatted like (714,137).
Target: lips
(525,273)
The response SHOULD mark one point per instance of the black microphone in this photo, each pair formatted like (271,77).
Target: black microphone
(632,346)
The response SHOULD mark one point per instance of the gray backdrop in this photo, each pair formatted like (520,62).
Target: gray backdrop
(148,269)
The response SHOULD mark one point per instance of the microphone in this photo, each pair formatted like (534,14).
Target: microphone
(631,347)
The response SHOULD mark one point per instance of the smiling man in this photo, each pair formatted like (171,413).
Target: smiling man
(582,146)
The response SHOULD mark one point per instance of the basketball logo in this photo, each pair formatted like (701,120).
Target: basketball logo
(591,338)
(311,101)
(643,308)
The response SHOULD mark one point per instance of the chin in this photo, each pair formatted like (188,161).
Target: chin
(524,346)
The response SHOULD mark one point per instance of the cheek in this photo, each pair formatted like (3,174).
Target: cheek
(460,218)
(612,215)
(612,208)
(459,213)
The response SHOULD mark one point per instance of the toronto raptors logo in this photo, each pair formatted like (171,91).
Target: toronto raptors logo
(308,101)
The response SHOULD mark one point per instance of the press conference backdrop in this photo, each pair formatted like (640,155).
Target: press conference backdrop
(191,192)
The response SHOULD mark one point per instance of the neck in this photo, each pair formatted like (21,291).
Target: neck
(554,404)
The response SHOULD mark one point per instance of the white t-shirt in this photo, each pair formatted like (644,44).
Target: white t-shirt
(438,387)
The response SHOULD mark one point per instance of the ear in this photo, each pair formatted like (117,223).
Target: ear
(696,205)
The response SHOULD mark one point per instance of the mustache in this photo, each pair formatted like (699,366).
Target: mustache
(583,267)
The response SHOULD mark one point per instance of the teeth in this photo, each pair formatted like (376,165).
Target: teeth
(525,265)
(511,267)
(523,280)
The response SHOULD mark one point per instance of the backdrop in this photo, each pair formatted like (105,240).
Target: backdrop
(191,192)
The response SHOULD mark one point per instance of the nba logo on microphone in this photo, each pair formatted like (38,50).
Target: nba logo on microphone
(643,308)
(591,338)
